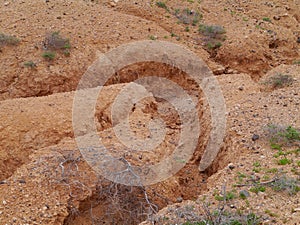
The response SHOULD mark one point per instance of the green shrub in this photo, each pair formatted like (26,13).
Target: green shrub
(49,55)
(256,164)
(213,45)
(30,64)
(267,19)
(161,5)
(152,37)
(258,188)
(243,195)
(284,161)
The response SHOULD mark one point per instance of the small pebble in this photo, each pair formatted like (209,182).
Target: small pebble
(179,199)
(231,166)
(255,137)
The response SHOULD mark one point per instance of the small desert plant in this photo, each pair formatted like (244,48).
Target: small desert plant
(188,16)
(244,194)
(228,196)
(212,31)
(162,5)
(270,213)
(214,45)
(258,188)
(30,64)
(225,218)
(284,161)
(280,80)
(219,216)
(49,55)
(56,41)
(282,135)
(214,35)
(278,183)
(8,39)
(283,183)
(66,52)
(212,215)
(152,37)
(267,19)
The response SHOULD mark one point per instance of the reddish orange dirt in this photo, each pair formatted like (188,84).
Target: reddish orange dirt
(44,179)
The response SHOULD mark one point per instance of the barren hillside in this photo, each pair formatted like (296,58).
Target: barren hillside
(52,173)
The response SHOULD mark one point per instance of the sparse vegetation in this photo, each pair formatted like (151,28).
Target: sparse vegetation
(282,135)
(214,35)
(243,195)
(173,35)
(67,185)
(212,31)
(283,183)
(266,19)
(188,16)
(228,196)
(30,64)
(66,52)
(279,80)
(152,37)
(220,216)
(162,5)
(272,170)
(270,213)
(284,161)
(258,188)
(256,164)
(55,41)
(278,183)
(49,55)
(8,39)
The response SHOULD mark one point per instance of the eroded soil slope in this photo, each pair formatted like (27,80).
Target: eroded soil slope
(43,177)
